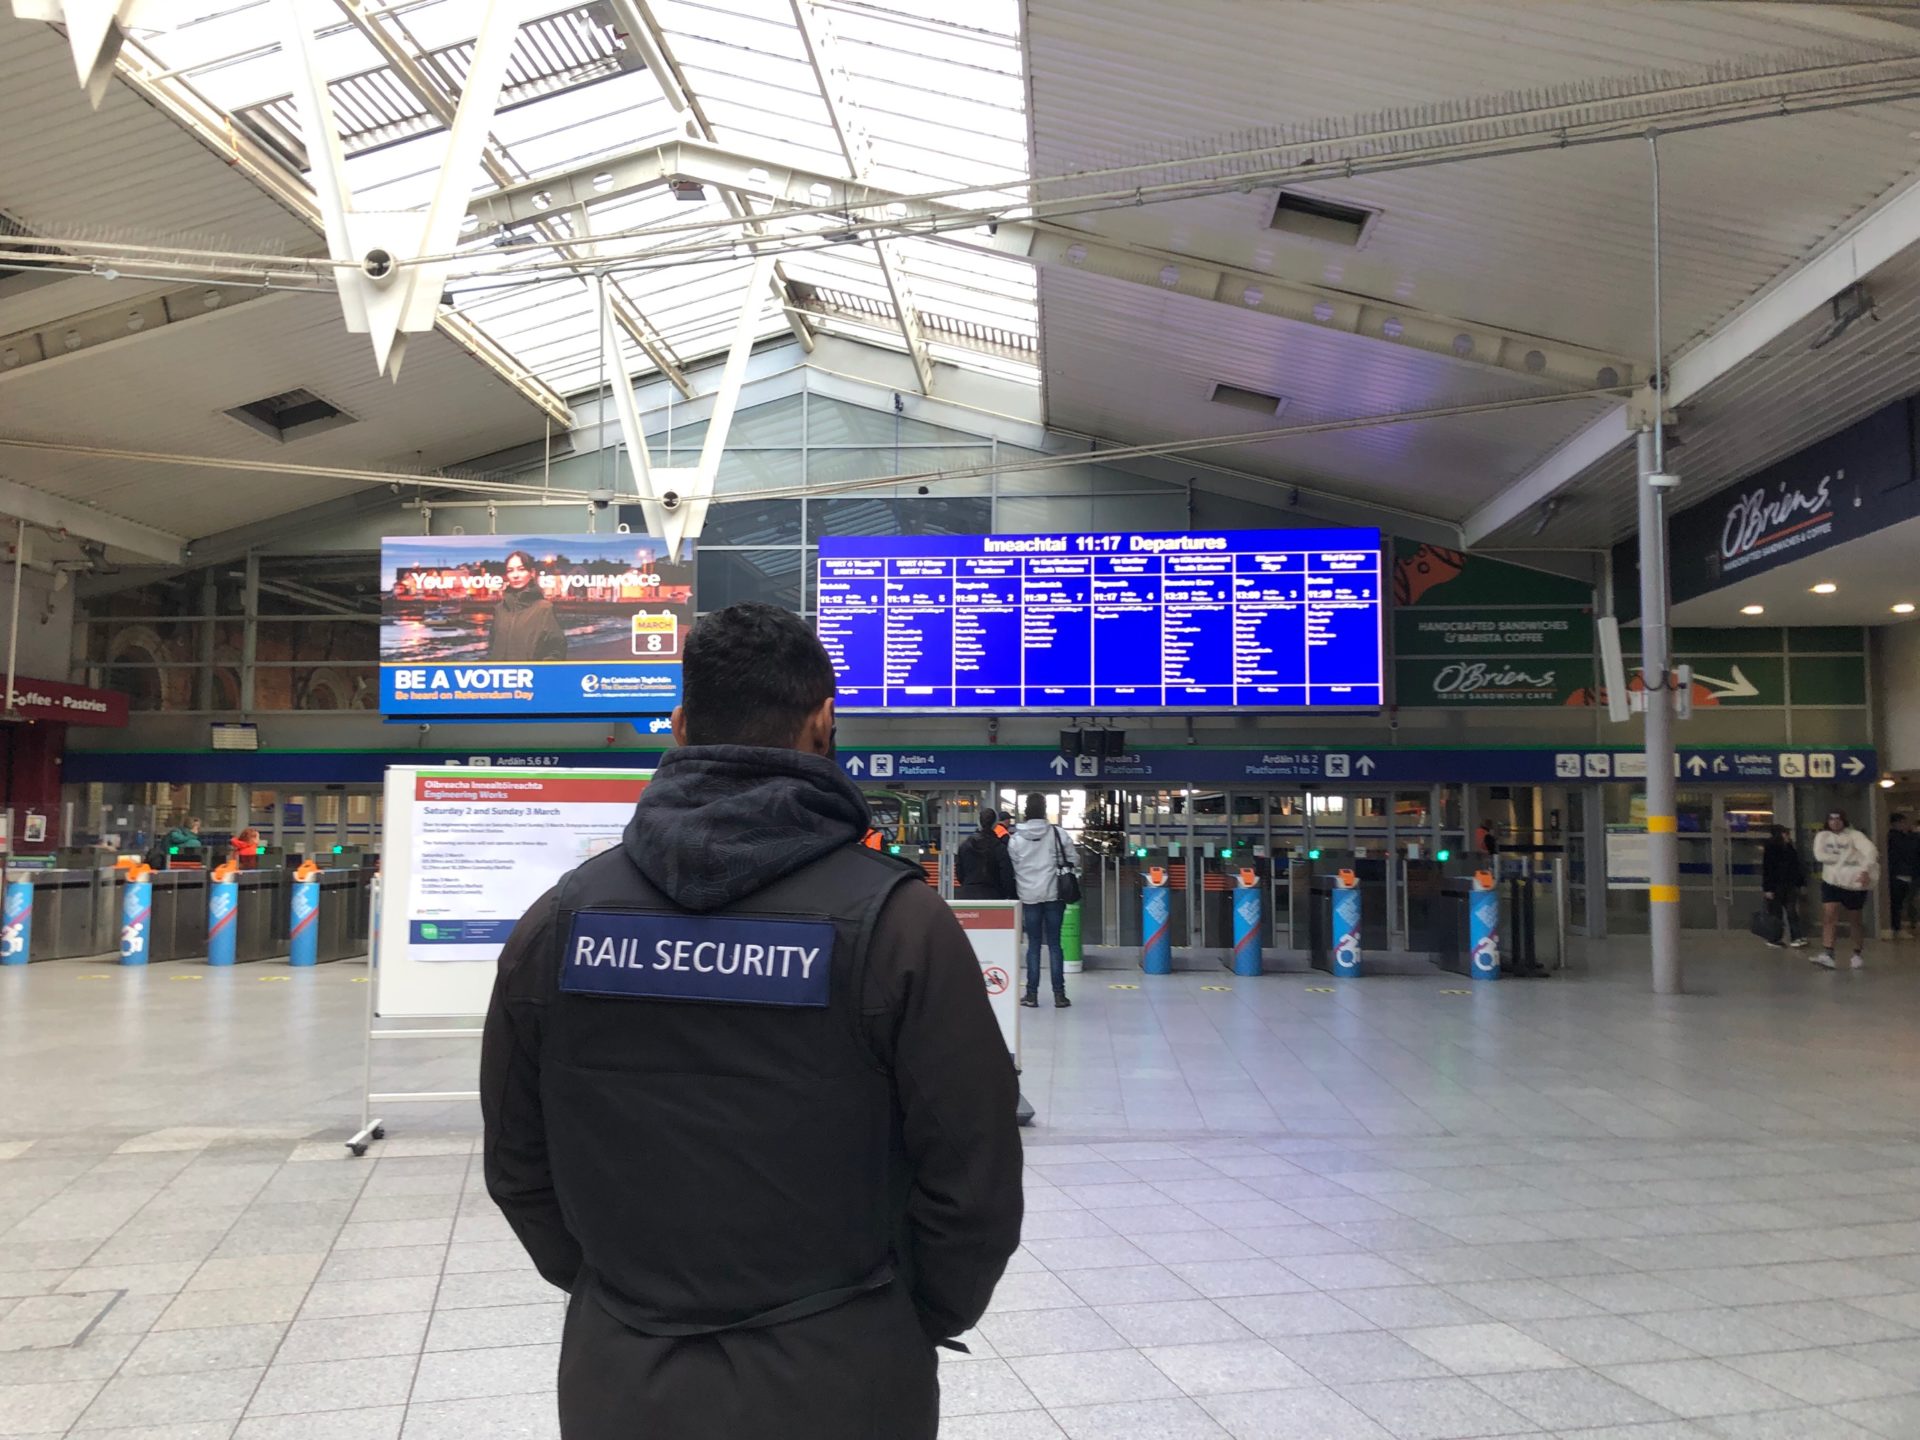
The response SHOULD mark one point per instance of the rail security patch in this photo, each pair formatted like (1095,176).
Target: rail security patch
(644,955)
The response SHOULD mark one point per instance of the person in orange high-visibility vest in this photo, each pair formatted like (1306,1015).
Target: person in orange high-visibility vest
(873,839)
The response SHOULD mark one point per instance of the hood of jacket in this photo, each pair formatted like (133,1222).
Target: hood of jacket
(719,822)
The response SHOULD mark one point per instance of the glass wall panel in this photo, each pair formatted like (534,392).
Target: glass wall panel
(728,577)
(961,515)
(834,422)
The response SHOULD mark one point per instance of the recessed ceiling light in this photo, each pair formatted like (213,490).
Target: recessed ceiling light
(1753,609)
(1887,782)
(1905,607)
(1825,587)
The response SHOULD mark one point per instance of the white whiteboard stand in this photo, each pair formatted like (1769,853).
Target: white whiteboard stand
(993,929)
(525,828)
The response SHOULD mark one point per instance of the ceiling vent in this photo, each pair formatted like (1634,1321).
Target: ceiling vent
(1320,219)
(1257,401)
(291,415)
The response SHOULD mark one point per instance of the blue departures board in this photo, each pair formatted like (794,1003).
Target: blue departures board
(1120,621)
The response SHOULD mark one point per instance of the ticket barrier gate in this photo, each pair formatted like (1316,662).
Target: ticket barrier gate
(1498,924)
(71,907)
(261,922)
(176,925)
(1335,926)
(344,913)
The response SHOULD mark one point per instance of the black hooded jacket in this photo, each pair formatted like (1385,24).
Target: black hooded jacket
(716,829)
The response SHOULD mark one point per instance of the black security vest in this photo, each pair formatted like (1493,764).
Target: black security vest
(724,1165)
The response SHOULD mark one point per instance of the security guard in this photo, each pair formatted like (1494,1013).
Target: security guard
(744,1096)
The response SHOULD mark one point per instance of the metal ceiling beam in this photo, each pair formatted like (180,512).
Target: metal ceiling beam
(178,101)
(836,85)
(432,91)
(125,322)
(644,31)
(873,208)
(71,517)
(1889,227)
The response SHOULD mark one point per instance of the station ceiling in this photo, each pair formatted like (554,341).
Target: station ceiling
(1417,237)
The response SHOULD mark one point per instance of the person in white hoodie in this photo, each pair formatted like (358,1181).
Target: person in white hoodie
(1849,864)
(1039,850)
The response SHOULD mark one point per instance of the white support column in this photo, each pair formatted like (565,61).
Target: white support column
(1656,677)
(393,294)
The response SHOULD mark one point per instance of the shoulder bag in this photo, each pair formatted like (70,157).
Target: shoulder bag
(1066,879)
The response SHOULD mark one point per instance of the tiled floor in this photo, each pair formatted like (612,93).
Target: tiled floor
(1257,1209)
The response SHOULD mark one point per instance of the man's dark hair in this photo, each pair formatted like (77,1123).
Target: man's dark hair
(1897,818)
(751,675)
(988,819)
(1036,806)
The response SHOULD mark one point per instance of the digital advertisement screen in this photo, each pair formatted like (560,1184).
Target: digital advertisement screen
(524,625)
(1118,621)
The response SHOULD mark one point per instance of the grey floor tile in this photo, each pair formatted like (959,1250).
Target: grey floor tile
(1184,1246)
(462,1259)
(1519,1300)
(1823,1377)
(47,1408)
(1485,1349)
(180,1352)
(210,1309)
(1407,1307)
(500,1417)
(327,1384)
(1218,1278)
(500,1325)
(1304,1314)
(1804,1424)
(1100,1378)
(1022,1425)
(982,1387)
(258,1272)
(1354,1359)
(387,1264)
(1628,1294)
(1693,1388)
(1038,1290)
(379,1423)
(1225,1366)
(1896,1418)
(331,1299)
(1128,1284)
(1139,1420)
(1087,1254)
(133,1400)
(1172,1322)
(1720,1332)
(1049,1332)
(1434,1409)
(502,1287)
(457,1374)
(1570,1399)
(353,1337)
(1307,1413)
(1594,1340)
(1832,1322)
(1348,1272)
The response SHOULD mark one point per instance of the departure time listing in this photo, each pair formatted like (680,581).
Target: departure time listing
(1104,621)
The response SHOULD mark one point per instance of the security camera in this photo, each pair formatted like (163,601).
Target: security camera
(670,500)
(424,727)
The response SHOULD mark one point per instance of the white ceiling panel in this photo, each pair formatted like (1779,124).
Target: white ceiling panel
(1104,377)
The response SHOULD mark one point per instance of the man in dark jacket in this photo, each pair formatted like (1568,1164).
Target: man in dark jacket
(982,869)
(744,1095)
(1782,879)
(1903,870)
(525,624)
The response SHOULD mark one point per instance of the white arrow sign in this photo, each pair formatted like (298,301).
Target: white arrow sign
(1364,764)
(1852,765)
(1059,764)
(1738,688)
(854,765)
(1696,764)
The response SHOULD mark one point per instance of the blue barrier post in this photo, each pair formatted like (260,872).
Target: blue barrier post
(1483,928)
(1156,924)
(1246,925)
(16,939)
(1346,926)
(223,916)
(136,921)
(304,930)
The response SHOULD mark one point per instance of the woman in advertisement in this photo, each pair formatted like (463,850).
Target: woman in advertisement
(525,626)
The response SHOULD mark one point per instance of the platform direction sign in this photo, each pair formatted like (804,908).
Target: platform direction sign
(882,766)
